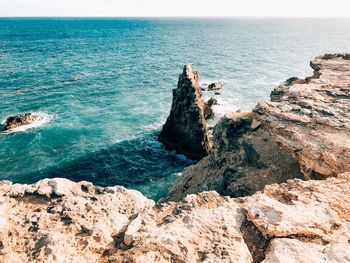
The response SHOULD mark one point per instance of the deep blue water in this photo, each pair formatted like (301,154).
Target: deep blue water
(107,84)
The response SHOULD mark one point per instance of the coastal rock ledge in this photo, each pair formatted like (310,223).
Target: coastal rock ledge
(303,132)
(56,220)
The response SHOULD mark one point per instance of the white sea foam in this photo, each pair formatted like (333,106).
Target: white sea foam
(157,125)
(43,118)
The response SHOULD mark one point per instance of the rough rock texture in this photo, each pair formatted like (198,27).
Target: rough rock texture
(19,120)
(295,80)
(304,132)
(304,221)
(208,108)
(311,121)
(215,86)
(56,220)
(185,129)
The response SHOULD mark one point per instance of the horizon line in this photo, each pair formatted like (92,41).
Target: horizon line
(173,16)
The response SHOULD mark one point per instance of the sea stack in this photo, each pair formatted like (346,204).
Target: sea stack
(185,129)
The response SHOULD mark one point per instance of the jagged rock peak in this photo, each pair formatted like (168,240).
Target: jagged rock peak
(185,129)
(189,73)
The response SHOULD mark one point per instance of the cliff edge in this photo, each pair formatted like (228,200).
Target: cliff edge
(56,220)
(303,132)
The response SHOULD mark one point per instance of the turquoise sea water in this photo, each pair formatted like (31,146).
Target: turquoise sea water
(106,84)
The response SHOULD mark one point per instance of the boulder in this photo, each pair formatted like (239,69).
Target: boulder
(208,109)
(185,129)
(19,120)
(215,86)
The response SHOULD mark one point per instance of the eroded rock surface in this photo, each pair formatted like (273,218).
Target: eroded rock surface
(56,220)
(311,121)
(185,129)
(208,108)
(303,132)
(19,120)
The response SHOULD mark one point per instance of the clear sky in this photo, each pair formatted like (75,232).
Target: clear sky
(337,8)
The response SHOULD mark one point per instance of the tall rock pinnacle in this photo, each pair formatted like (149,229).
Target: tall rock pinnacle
(185,129)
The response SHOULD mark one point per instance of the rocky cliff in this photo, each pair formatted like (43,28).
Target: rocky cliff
(303,132)
(185,129)
(57,220)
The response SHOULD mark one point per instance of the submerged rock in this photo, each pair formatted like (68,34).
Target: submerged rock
(215,86)
(304,132)
(19,120)
(185,129)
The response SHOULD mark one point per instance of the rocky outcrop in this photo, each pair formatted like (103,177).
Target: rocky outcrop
(293,80)
(19,120)
(303,132)
(56,220)
(303,221)
(215,86)
(311,121)
(185,129)
(208,108)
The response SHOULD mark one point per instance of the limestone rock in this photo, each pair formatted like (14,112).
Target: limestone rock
(304,221)
(304,132)
(315,131)
(185,129)
(56,220)
(244,159)
(19,120)
(94,224)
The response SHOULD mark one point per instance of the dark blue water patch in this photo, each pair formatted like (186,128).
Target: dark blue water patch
(142,164)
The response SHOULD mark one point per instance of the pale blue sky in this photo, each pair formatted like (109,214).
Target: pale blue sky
(174,8)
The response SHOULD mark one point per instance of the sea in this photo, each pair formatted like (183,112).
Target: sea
(102,87)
